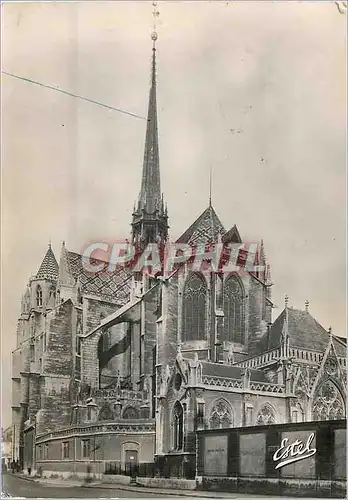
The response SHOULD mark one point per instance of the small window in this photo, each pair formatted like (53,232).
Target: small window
(178,424)
(78,367)
(78,346)
(32,353)
(89,413)
(86,448)
(46,451)
(177,381)
(65,450)
(39,453)
(38,296)
(249,415)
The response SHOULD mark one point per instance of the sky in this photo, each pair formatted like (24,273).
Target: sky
(256,91)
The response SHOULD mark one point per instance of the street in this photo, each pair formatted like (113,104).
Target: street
(15,486)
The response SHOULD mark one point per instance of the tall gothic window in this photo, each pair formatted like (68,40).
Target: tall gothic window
(178,426)
(328,402)
(195,293)
(234,322)
(38,296)
(220,416)
(265,416)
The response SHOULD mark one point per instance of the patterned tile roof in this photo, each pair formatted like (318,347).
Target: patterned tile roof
(49,266)
(109,284)
(304,332)
(206,228)
(230,371)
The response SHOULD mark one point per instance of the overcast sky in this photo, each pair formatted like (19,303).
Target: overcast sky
(254,89)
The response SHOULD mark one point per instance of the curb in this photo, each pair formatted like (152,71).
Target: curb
(26,478)
(137,489)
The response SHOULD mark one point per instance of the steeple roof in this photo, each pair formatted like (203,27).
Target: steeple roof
(206,228)
(150,192)
(49,266)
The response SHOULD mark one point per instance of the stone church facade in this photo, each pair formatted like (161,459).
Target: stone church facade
(117,366)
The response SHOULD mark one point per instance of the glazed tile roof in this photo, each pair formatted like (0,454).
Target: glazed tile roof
(109,284)
(49,266)
(230,371)
(206,228)
(304,333)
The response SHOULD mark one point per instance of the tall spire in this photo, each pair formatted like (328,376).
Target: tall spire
(150,192)
(150,214)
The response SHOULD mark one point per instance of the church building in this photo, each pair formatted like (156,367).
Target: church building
(119,368)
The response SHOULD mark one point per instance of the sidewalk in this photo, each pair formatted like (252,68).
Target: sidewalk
(191,493)
(70,483)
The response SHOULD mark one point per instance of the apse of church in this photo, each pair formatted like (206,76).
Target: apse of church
(140,363)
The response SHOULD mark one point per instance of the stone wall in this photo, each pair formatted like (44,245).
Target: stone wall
(104,448)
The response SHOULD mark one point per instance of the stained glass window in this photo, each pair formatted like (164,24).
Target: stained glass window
(220,416)
(234,323)
(265,416)
(194,308)
(328,402)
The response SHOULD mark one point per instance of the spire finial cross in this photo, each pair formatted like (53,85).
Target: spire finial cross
(307,305)
(286,300)
(210,183)
(155,13)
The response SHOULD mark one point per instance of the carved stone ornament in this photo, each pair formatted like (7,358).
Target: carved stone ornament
(331,366)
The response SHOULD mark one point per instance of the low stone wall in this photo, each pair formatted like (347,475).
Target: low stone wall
(272,486)
(47,474)
(84,471)
(115,479)
(172,483)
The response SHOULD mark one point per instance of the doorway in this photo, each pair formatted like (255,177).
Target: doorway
(131,459)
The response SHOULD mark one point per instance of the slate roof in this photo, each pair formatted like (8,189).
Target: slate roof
(109,284)
(232,236)
(230,371)
(205,228)
(304,333)
(49,266)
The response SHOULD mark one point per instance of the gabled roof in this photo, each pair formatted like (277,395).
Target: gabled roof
(109,284)
(303,330)
(232,236)
(206,228)
(49,266)
(230,371)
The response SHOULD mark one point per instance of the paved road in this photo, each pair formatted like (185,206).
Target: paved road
(17,487)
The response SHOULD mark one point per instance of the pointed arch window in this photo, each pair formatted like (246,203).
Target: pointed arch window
(194,302)
(38,296)
(106,413)
(221,416)
(178,426)
(234,311)
(266,416)
(130,413)
(328,402)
